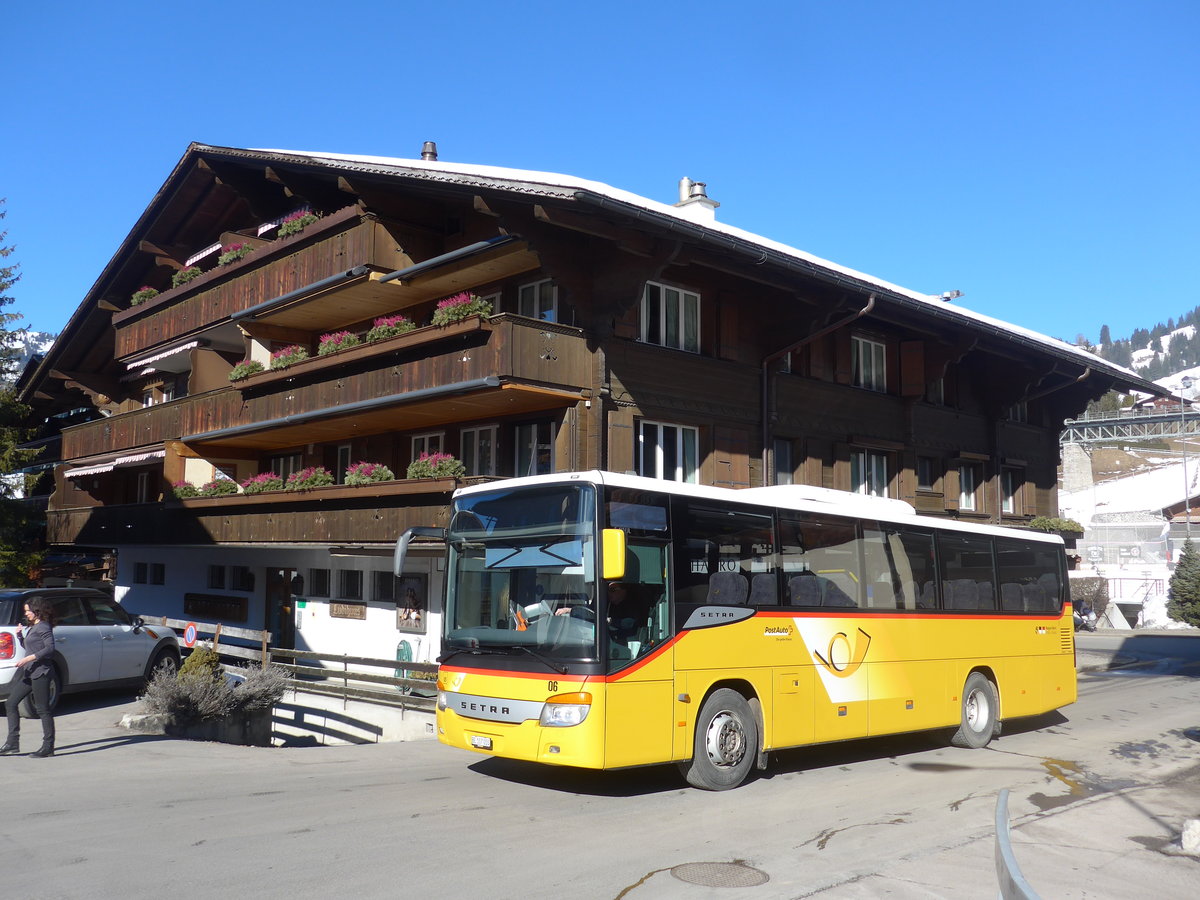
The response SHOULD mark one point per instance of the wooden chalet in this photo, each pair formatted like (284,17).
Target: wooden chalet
(625,334)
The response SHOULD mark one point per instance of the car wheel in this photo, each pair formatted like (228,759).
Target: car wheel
(979,710)
(164,662)
(27,709)
(725,745)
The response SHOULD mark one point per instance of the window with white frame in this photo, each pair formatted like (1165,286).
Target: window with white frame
(1019,412)
(143,487)
(968,486)
(343,463)
(286,465)
(428,444)
(350,584)
(478,450)
(538,300)
(669,452)
(148,397)
(1010,486)
(869,473)
(534,449)
(868,362)
(926,473)
(671,317)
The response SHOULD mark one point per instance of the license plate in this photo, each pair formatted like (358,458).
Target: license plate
(481,743)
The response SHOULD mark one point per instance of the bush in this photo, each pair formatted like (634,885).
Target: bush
(203,662)
(143,294)
(1054,524)
(245,369)
(368,473)
(389,326)
(311,477)
(262,482)
(297,222)
(458,307)
(183,276)
(281,359)
(339,340)
(182,490)
(436,465)
(219,487)
(206,693)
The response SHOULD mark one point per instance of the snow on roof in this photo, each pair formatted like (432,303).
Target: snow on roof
(565,186)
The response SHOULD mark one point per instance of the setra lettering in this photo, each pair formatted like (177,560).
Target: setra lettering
(469,706)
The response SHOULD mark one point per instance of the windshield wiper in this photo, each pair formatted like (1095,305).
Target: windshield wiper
(545,660)
(475,650)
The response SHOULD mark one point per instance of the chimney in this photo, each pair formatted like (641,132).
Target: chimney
(429,151)
(694,202)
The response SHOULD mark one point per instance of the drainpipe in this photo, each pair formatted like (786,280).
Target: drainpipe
(766,378)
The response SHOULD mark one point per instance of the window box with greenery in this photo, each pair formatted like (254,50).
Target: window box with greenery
(297,222)
(311,477)
(245,369)
(231,253)
(436,465)
(184,490)
(281,359)
(368,473)
(220,487)
(338,340)
(262,483)
(389,326)
(459,307)
(143,294)
(183,276)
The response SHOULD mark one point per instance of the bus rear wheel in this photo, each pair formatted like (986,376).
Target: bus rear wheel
(725,745)
(979,711)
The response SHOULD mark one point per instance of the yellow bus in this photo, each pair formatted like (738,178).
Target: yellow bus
(605,621)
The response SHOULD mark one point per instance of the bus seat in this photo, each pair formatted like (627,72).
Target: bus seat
(835,596)
(764,590)
(728,588)
(987,595)
(963,594)
(1033,597)
(804,590)
(1010,596)
(928,598)
(883,595)
(1049,584)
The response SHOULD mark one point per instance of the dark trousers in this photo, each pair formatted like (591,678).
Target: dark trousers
(40,688)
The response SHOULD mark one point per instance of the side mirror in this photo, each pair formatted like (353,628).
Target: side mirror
(613,548)
(138,624)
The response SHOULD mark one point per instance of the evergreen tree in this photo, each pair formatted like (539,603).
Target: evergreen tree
(20,529)
(1105,336)
(1183,593)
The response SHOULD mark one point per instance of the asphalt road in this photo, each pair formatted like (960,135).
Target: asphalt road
(120,814)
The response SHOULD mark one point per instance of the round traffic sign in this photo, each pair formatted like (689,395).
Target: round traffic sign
(189,634)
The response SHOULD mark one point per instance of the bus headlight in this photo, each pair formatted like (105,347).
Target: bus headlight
(565,710)
(441,700)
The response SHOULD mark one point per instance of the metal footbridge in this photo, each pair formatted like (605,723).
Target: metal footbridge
(1152,423)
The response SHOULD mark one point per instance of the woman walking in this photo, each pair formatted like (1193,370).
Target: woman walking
(35,679)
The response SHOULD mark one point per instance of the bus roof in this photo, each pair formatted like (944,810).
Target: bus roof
(798,497)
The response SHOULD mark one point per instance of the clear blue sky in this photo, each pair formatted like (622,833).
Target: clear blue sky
(1041,157)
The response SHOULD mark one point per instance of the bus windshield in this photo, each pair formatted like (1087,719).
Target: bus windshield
(522,576)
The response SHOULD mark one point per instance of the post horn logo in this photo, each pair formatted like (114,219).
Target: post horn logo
(843,658)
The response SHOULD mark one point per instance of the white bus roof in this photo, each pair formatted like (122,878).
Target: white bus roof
(799,497)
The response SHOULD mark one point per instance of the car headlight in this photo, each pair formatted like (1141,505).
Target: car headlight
(565,710)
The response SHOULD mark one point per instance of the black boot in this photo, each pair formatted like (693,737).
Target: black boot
(10,747)
(43,751)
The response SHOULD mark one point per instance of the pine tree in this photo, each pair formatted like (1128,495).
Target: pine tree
(1105,336)
(1183,593)
(20,529)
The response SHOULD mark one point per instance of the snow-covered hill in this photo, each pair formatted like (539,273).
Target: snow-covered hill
(27,345)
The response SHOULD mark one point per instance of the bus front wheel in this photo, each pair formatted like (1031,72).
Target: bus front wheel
(726,743)
(979,710)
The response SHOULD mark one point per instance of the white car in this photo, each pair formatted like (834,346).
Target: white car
(97,643)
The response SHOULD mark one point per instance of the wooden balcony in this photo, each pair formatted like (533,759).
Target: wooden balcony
(480,369)
(372,514)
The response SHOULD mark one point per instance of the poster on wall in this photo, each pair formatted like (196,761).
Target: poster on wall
(412,602)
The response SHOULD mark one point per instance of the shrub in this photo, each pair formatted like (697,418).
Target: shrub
(1054,524)
(204,692)
(281,359)
(367,473)
(245,369)
(297,222)
(142,294)
(182,490)
(313,476)
(218,487)
(389,326)
(1183,590)
(262,482)
(231,253)
(203,663)
(458,307)
(338,340)
(260,688)
(436,465)
(183,276)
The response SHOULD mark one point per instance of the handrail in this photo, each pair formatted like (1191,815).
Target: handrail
(1013,885)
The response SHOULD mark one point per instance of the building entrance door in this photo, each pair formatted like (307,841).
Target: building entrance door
(281,608)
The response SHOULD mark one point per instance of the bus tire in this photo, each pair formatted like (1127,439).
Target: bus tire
(979,710)
(726,743)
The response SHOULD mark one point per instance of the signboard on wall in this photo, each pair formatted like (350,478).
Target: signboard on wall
(348,610)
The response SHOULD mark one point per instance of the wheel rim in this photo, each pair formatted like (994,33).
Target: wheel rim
(977,711)
(725,740)
(165,666)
